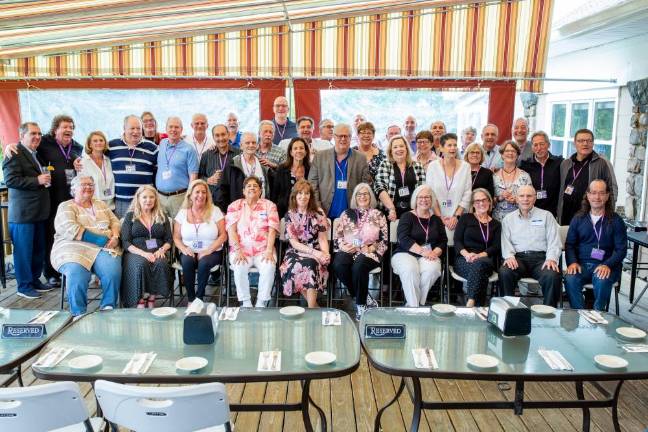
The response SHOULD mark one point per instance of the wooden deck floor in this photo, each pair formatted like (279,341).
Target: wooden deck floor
(351,403)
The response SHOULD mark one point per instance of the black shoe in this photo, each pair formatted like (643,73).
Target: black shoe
(54,282)
(41,287)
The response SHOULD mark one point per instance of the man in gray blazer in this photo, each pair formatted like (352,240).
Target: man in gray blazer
(29,203)
(335,173)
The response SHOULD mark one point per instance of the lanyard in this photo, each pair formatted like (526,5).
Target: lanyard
(576,174)
(402,174)
(222,161)
(359,220)
(476,173)
(251,169)
(491,157)
(598,233)
(542,165)
(202,146)
(445,177)
(103,171)
(341,167)
(66,155)
(149,227)
(166,154)
(196,226)
(281,132)
(426,230)
(486,235)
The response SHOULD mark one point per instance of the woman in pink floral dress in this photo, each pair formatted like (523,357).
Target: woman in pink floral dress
(360,241)
(303,269)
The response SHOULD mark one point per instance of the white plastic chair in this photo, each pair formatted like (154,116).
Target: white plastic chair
(201,407)
(51,407)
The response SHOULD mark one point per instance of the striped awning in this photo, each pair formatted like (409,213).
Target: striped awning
(276,39)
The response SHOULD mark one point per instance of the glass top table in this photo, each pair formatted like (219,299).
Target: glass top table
(454,337)
(13,352)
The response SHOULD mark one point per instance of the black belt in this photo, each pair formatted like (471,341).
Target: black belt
(178,192)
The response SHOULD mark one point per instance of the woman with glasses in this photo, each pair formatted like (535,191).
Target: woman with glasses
(366,146)
(421,242)
(477,240)
(481,177)
(508,180)
(424,153)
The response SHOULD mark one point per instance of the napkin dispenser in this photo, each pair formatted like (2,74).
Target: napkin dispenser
(510,315)
(200,324)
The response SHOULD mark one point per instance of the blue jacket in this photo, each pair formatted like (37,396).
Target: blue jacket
(581,239)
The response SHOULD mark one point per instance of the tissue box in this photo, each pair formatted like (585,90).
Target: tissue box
(510,315)
(200,326)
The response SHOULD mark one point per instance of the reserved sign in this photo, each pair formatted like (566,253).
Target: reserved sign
(385,331)
(23,331)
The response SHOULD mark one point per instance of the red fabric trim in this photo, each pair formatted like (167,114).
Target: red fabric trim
(10,115)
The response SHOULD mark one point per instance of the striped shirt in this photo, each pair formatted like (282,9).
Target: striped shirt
(143,157)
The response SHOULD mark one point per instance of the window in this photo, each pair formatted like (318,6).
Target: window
(595,115)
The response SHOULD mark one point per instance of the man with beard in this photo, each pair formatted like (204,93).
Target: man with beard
(234,134)
(270,155)
(215,163)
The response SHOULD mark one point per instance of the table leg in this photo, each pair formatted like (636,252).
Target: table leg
(586,412)
(633,270)
(3,270)
(615,412)
(18,369)
(380,412)
(319,410)
(418,403)
(518,404)
(304,406)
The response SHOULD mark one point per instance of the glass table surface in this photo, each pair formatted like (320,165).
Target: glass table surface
(453,338)
(118,334)
(14,351)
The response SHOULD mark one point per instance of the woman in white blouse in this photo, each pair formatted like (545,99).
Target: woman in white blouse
(451,183)
(96,164)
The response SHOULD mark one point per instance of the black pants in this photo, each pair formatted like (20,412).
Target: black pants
(204,265)
(354,273)
(476,274)
(530,265)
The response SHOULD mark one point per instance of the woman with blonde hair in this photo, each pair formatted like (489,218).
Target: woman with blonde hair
(96,164)
(146,239)
(199,234)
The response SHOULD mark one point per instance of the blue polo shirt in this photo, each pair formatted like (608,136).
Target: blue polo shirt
(144,160)
(340,202)
(237,140)
(175,164)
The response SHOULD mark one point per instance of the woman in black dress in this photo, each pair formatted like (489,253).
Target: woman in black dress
(285,176)
(146,239)
(481,177)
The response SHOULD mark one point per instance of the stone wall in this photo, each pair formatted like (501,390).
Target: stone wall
(638,131)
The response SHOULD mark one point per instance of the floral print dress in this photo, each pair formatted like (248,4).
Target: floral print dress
(300,271)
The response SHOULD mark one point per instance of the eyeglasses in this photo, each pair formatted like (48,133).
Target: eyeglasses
(365,132)
(362,194)
(87,185)
(481,201)
(281,106)
(597,193)
(424,197)
(342,136)
(584,141)
(422,141)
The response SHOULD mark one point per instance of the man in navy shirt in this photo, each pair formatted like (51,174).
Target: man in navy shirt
(595,248)
(284,128)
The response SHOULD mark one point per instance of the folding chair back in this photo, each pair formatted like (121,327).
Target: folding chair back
(42,407)
(164,409)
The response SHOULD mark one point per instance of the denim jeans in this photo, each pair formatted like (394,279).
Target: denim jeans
(29,250)
(602,287)
(107,268)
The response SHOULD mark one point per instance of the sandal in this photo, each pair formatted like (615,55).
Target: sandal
(141,304)
(151,302)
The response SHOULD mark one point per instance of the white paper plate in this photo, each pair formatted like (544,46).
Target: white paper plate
(610,362)
(543,309)
(631,333)
(191,363)
(445,309)
(482,361)
(292,311)
(163,312)
(88,361)
(320,358)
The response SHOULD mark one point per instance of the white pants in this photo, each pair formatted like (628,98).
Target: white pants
(266,277)
(417,276)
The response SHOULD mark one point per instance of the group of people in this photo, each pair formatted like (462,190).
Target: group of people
(118,208)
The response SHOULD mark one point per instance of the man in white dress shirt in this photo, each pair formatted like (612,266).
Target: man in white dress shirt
(200,139)
(492,156)
(305,127)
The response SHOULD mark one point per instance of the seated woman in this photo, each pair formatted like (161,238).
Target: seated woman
(477,239)
(199,235)
(421,242)
(360,241)
(295,168)
(303,269)
(252,225)
(87,241)
(146,237)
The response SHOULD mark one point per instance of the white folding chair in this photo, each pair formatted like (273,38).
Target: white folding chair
(51,407)
(493,278)
(393,239)
(201,407)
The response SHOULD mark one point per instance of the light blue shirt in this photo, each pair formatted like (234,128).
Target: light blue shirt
(175,164)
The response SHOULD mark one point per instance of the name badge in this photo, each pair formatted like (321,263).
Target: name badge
(342,184)
(23,331)
(166,175)
(69,175)
(130,168)
(197,244)
(357,242)
(403,192)
(383,331)
(102,225)
(536,222)
(569,190)
(151,244)
(598,254)
(427,246)
(541,194)
(107,192)
(446,203)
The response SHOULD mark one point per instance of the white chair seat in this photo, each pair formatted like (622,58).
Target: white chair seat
(491,279)
(96,422)
(177,266)
(529,280)
(375,271)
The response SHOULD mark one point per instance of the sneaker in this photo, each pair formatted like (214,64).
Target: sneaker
(247,303)
(41,287)
(54,282)
(107,308)
(261,304)
(360,309)
(371,303)
(29,293)
(141,304)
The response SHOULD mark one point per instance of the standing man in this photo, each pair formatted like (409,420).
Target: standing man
(305,126)
(214,163)
(284,128)
(177,166)
(29,206)
(409,126)
(438,129)
(358,119)
(234,135)
(520,133)
(134,162)
(326,130)
(492,157)
(336,172)
(595,248)
(270,155)
(544,170)
(200,139)
(468,135)
(578,171)
(392,131)
(531,248)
